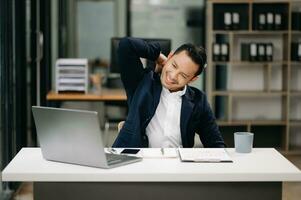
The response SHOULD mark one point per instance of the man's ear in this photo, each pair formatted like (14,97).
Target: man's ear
(194,79)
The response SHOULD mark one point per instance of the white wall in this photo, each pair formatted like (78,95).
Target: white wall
(95,27)
(166,19)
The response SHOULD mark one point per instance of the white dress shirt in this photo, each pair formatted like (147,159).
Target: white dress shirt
(164,128)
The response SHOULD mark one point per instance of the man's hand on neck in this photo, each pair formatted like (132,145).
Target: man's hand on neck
(160,62)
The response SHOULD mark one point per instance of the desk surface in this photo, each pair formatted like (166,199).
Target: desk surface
(105,95)
(263,164)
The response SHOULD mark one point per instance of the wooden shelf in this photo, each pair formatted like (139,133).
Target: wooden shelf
(252,32)
(296,32)
(105,95)
(270,1)
(290,152)
(227,1)
(251,122)
(295,122)
(247,63)
(295,93)
(294,150)
(248,93)
(296,63)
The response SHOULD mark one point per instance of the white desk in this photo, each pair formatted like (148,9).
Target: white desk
(258,175)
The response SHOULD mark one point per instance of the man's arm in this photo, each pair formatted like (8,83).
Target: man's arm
(208,129)
(129,53)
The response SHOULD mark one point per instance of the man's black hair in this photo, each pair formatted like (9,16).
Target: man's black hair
(197,55)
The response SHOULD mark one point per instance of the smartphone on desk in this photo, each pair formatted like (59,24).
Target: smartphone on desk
(130,151)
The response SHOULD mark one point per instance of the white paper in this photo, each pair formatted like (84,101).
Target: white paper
(159,153)
(204,155)
(72,80)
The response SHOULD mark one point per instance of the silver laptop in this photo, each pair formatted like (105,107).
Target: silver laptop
(74,136)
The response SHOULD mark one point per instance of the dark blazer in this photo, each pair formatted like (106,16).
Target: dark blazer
(143,88)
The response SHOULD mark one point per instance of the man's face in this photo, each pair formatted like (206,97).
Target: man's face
(178,71)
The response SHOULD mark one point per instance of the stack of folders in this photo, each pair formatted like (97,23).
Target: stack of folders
(204,155)
(257,52)
(72,75)
(220,52)
(296,51)
(269,21)
(231,21)
(296,21)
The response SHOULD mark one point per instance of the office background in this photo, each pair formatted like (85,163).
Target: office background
(245,97)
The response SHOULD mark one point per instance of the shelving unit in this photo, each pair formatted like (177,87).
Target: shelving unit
(261,97)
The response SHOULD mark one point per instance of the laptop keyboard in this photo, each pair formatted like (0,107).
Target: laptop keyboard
(115,158)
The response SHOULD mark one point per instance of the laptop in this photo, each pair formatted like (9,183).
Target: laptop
(74,136)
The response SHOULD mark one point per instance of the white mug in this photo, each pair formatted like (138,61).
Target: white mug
(243,142)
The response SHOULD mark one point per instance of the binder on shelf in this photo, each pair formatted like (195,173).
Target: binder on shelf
(294,47)
(221,77)
(71,75)
(260,52)
(278,21)
(296,51)
(235,21)
(245,52)
(296,21)
(269,52)
(227,21)
(270,21)
(253,52)
(224,52)
(220,107)
(216,51)
(261,21)
(299,52)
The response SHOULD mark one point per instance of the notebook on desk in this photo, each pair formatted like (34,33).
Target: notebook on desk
(204,155)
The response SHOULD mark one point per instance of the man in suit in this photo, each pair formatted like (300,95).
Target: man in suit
(163,110)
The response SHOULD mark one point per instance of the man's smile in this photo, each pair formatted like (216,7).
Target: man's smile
(168,80)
